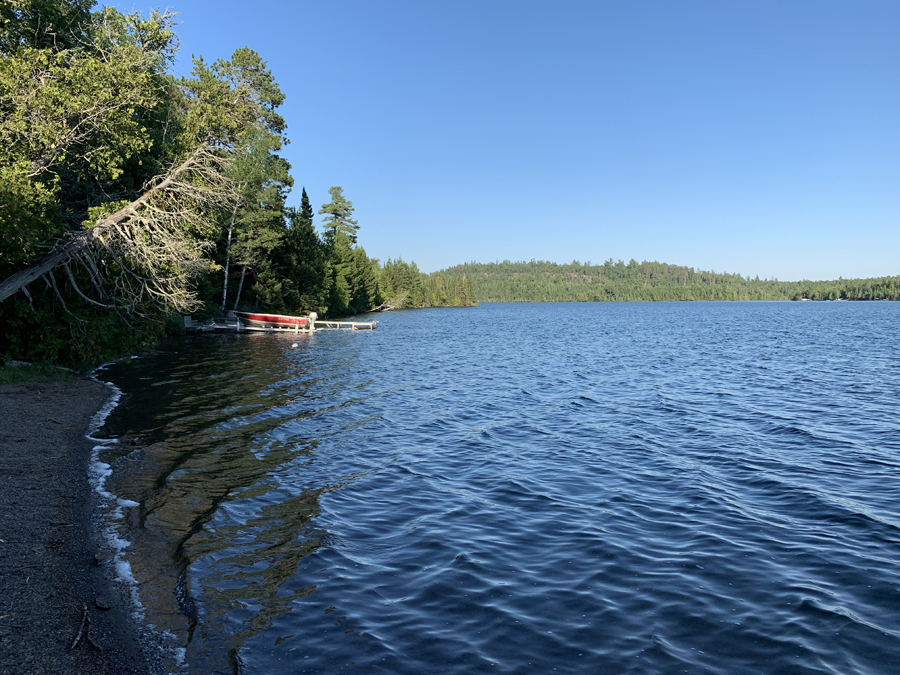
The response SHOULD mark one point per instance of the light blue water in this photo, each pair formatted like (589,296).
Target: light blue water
(569,488)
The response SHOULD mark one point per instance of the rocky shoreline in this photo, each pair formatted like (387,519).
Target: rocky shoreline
(60,611)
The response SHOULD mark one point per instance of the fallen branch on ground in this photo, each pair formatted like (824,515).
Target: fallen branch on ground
(84,620)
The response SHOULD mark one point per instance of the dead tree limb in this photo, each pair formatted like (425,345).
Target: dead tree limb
(74,285)
(155,244)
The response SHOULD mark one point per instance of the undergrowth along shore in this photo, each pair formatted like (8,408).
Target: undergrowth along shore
(17,372)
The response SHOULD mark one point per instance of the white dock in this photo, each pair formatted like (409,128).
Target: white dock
(346,325)
(319,325)
(227,326)
(310,323)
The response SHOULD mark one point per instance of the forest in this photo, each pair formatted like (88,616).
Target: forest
(130,196)
(541,281)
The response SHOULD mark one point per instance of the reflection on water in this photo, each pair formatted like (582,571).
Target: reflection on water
(219,476)
(632,488)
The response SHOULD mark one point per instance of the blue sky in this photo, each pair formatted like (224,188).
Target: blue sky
(745,136)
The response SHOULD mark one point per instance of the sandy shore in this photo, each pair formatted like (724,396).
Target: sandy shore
(48,570)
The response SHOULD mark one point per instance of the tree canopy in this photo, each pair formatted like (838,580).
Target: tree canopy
(130,195)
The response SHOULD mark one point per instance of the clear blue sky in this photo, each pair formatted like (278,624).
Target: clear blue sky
(758,137)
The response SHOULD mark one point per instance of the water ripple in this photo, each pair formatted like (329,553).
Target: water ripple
(622,488)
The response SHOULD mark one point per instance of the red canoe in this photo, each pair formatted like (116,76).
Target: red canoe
(272,320)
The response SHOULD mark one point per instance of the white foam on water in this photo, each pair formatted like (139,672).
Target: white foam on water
(111,511)
(178,655)
(123,570)
(99,472)
(100,416)
(110,505)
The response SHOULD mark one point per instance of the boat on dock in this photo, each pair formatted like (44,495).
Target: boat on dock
(277,321)
(282,322)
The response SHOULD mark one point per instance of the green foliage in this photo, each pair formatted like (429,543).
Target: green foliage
(85,104)
(304,264)
(540,281)
(402,284)
(74,117)
(449,290)
(88,115)
(263,180)
(70,331)
(353,286)
(227,98)
(294,270)
(364,291)
(33,374)
(405,287)
(43,24)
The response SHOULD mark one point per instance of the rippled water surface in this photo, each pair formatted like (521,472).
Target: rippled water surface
(569,488)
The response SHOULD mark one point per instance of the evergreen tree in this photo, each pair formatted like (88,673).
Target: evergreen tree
(337,216)
(340,257)
(263,180)
(306,212)
(364,282)
(304,263)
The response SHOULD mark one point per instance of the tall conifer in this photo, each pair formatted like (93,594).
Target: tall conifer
(337,216)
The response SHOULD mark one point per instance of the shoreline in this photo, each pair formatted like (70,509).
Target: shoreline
(55,580)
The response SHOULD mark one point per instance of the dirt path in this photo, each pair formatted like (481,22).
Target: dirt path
(48,570)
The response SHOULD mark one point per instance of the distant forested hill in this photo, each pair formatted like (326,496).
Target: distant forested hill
(541,281)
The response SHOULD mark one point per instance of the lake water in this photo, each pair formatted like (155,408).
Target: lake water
(522,488)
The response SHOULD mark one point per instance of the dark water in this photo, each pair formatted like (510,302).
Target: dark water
(569,488)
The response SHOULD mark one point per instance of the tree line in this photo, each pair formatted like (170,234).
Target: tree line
(406,287)
(542,281)
(130,195)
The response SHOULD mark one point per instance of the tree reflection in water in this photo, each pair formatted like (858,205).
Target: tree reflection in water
(224,482)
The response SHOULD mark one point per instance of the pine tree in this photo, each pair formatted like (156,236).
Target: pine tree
(304,263)
(337,216)
(263,178)
(306,212)
(340,292)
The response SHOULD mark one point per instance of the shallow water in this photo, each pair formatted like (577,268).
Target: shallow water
(523,488)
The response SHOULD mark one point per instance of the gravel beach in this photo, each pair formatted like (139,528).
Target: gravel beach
(53,588)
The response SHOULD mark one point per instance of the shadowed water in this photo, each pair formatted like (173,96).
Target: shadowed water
(569,488)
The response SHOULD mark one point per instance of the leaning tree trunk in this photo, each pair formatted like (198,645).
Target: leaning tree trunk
(240,286)
(145,239)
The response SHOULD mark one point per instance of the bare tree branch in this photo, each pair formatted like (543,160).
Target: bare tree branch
(52,284)
(96,278)
(155,244)
(78,290)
